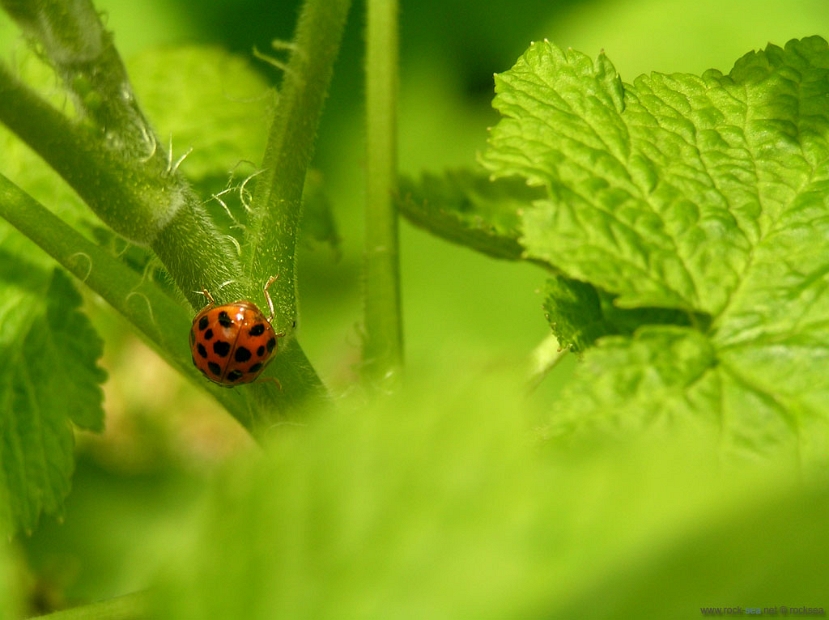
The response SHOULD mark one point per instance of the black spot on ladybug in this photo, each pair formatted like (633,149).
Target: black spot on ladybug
(242,354)
(260,351)
(203,323)
(255,368)
(224,319)
(214,368)
(257,330)
(208,334)
(202,351)
(271,344)
(233,375)
(221,348)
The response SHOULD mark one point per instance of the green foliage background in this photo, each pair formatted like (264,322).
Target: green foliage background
(446,489)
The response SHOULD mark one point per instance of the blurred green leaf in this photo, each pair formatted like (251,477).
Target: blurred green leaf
(469,208)
(48,377)
(758,556)
(703,195)
(438,503)
(10,599)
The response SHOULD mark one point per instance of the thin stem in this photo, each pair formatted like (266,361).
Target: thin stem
(277,199)
(383,346)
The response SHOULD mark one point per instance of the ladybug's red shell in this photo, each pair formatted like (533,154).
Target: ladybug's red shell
(231,344)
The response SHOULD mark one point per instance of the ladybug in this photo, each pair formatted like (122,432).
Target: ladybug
(231,344)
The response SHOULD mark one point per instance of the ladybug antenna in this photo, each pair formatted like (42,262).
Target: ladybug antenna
(268,299)
(207,295)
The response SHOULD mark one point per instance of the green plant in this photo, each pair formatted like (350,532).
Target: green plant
(680,221)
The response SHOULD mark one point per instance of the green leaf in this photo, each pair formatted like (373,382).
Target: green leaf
(707,567)
(48,378)
(434,504)
(575,314)
(706,195)
(579,314)
(639,180)
(468,208)
(11,603)
(73,338)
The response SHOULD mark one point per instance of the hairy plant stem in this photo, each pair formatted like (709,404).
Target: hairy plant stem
(277,201)
(109,155)
(383,344)
(162,322)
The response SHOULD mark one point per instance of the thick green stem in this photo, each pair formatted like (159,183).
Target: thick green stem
(137,204)
(111,158)
(72,37)
(163,323)
(383,346)
(277,200)
(109,153)
(138,199)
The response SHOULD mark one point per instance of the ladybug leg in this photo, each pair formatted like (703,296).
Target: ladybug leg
(210,300)
(268,299)
(271,379)
(283,334)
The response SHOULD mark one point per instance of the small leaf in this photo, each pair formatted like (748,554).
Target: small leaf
(468,208)
(74,339)
(579,314)
(48,378)
(575,314)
